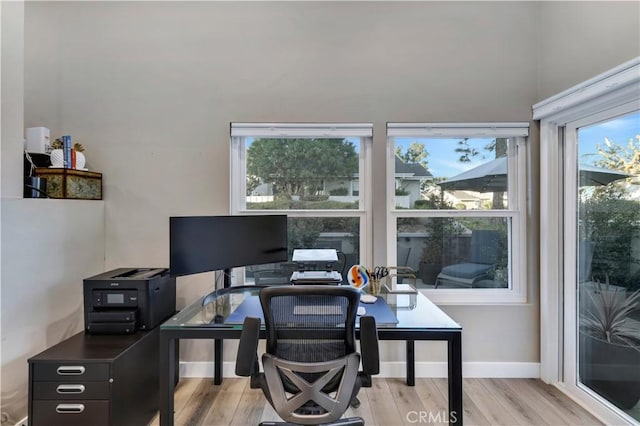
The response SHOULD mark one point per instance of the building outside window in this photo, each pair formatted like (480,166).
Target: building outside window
(318,175)
(456,209)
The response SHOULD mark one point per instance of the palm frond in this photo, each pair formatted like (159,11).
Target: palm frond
(608,317)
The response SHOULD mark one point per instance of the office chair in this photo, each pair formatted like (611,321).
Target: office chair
(310,365)
(483,257)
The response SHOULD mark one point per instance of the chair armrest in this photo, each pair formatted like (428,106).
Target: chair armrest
(247,356)
(369,345)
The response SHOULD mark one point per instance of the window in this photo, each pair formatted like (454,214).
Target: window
(317,174)
(457,208)
(606,238)
(589,257)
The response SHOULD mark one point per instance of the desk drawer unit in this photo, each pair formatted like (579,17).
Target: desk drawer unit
(71,372)
(69,393)
(97,380)
(70,413)
(71,390)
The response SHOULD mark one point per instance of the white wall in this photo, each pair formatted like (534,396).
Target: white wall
(150,89)
(48,246)
(12,132)
(579,40)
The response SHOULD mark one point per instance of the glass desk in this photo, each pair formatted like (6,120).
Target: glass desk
(205,319)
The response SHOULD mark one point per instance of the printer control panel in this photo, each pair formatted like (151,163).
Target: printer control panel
(115,298)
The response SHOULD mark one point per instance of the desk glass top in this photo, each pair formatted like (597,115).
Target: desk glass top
(214,309)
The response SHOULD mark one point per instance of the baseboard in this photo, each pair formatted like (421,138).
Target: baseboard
(23,422)
(398,369)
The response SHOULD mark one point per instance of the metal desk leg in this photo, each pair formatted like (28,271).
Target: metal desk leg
(411,363)
(167,378)
(455,379)
(217,364)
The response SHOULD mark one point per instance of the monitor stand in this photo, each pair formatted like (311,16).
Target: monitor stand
(227,277)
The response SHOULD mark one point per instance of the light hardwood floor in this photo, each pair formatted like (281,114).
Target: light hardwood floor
(390,402)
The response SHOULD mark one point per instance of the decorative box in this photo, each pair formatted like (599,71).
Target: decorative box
(71,183)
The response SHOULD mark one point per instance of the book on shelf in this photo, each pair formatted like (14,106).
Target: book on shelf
(67,148)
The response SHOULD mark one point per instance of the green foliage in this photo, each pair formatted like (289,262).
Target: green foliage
(299,166)
(623,158)
(286,204)
(610,218)
(315,197)
(607,318)
(401,191)
(421,204)
(432,202)
(466,151)
(415,153)
(611,224)
(439,231)
(252,183)
(342,191)
(304,231)
(282,197)
(281,204)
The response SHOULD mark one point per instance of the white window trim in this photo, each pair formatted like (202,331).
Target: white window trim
(364,131)
(614,91)
(454,130)
(302,130)
(517,294)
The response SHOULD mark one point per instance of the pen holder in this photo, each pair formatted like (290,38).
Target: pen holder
(375,287)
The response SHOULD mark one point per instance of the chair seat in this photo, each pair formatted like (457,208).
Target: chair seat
(466,270)
(311,402)
(349,421)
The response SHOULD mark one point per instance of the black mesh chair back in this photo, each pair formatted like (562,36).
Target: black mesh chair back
(311,364)
(314,324)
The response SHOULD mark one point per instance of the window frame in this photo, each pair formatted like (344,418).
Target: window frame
(608,94)
(363,131)
(518,131)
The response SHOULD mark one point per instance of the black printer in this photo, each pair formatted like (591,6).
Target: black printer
(128,299)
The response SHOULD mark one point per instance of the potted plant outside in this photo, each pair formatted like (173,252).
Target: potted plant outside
(609,344)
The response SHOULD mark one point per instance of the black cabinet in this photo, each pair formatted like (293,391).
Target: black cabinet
(96,380)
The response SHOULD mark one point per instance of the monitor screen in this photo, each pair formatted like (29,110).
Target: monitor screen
(209,243)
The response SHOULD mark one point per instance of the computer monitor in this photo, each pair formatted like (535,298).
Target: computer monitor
(209,243)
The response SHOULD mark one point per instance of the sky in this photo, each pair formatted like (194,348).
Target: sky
(618,130)
(443,161)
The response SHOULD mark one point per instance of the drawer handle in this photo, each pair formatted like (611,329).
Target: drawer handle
(65,389)
(70,370)
(69,408)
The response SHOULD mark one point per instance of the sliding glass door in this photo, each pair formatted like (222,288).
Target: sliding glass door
(602,257)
